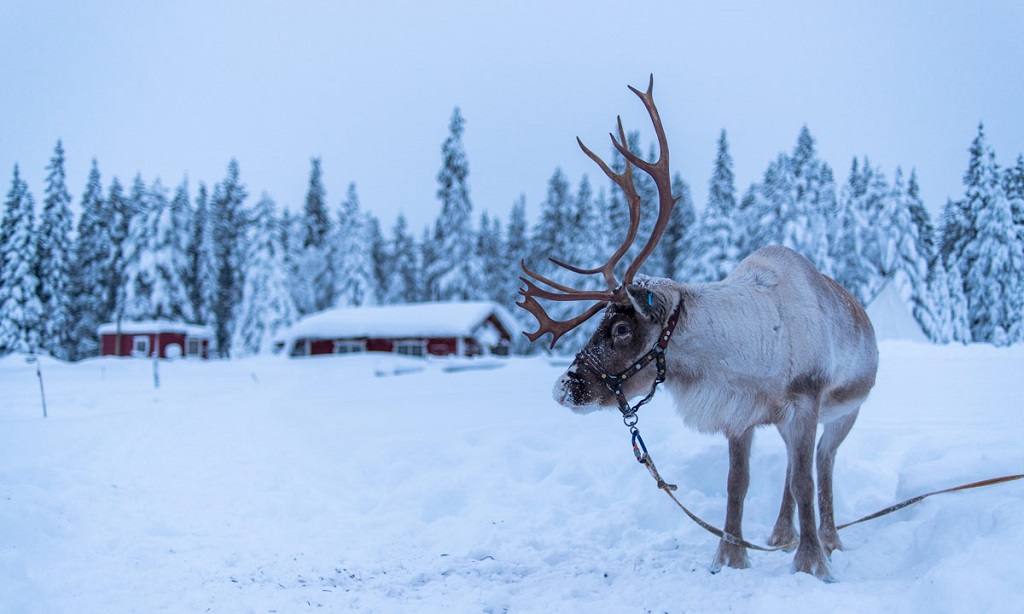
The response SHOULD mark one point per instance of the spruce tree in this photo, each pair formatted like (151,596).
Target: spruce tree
(317,221)
(53,261)
(266,306)
(490,251)
(20,309)
(586,228)
(350,255)
(453,273)
(680,234)
(403,285)
(850,251)
(905,265)
(227,216)
(91,270)
(379,257)
(120,215)
(989,253)
(959,316)
(517,250)
(194,252)
(717,246)
(137,277)
(959,218)
(315,286)
(813,202)
(922,220)
(139,274)
(554,237)
(937,323)
(994,279)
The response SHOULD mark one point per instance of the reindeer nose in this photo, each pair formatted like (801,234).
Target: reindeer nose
(572,391)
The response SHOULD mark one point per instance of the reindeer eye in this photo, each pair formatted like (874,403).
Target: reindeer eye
(621,329)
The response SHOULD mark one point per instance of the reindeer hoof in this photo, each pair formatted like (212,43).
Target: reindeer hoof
(783,535)
(730,555)
(830,541)
(811,559)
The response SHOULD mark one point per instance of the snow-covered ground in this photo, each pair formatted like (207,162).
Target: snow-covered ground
(335,484)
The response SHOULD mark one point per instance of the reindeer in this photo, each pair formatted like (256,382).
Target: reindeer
(776,342)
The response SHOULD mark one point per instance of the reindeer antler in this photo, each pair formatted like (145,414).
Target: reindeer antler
(659,171)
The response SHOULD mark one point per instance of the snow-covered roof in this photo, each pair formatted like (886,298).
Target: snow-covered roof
(453,319)
(139,327)
(891,317)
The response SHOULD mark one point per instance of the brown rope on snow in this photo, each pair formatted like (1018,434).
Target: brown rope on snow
(732,539)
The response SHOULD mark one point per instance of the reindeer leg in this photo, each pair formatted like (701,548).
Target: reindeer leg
(835,432)
(784,532)
(739,479)
(801,431)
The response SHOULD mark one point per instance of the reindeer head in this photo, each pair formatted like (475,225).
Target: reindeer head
(636,314)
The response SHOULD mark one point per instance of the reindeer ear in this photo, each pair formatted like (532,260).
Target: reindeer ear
(654,303)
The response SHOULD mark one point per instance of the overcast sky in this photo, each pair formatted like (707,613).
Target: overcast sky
(175,88)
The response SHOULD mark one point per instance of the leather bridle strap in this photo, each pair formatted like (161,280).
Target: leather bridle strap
(656,354)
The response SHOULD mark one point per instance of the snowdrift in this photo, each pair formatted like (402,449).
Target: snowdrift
(291,486)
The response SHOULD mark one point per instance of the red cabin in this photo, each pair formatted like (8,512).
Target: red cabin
(169,339)
(417,329)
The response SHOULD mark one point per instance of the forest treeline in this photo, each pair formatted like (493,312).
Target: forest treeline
(214,255)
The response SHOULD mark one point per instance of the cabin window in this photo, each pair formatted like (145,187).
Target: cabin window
(411,347)
(140,345)
(301,347)
(346,346)
(194,349)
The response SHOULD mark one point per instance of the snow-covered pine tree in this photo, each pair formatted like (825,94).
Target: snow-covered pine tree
(994,279)
(717,251)
(681,233)
(454,273)
(227,219)
(429,247)
(490,251)
(314,288)
(196,255)
(770,203)
(959,316)
(19,299)
(121,218)
(382,263)
(517,250)
(746,221)
(902,263)
(922,220)
(959,218)
(1013,185)
(292,231)
(586,228)
(158,262)
(266,307)
(91,268)
(550,237)
(403,285)
(53,261)
(317,220)
(555,237)
(813,203)
(134,298)
(938,324)
(172,242)
(988,251)
(350,246)
(851,269)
